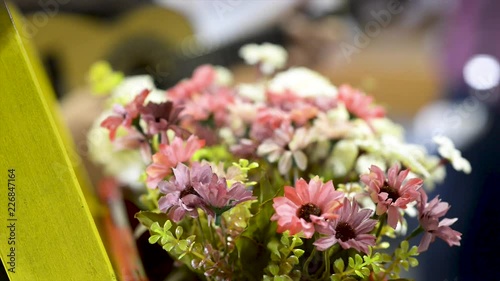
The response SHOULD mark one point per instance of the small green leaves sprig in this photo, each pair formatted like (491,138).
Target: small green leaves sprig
(284,257)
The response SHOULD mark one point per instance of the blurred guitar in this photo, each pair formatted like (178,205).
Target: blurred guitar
(146,39)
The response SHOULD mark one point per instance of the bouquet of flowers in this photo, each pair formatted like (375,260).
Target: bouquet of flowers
(287,178)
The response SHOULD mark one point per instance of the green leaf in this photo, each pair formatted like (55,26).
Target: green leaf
(273,247)
(413,262)
(298,252)
(339,265)
(284,240)
(404,246)
(183,245)
(280,278)
(148,218)
(156,227)
(351,263)
(268,191)
(252,258)
(285,251)
(168,246)
(274,269)
(296,241)
(167,226)
(153,239)
(358,260)
(178,232)
(293,260)
(286,267)
(335,277)
(253,254)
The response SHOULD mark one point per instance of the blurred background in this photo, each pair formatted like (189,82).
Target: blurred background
(433,64)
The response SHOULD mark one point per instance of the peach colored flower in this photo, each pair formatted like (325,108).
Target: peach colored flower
(203,77)
(306,206)
(359,104)
(168,156)
(391,194)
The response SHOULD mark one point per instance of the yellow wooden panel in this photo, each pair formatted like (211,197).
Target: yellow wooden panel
(46,89)
(55,236)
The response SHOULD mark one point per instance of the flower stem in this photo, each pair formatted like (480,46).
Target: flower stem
(382,219)
(224,236)
(201,229)
(326,257)
(414,233)
(295,175)
(305,269)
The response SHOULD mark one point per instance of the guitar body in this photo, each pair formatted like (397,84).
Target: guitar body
(143,40)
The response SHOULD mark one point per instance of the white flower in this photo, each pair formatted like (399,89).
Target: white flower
(333,124)
(254,92)
(156,96)
(365,161)
(274,149)
(352,190)
(130,87)
(410,155)
(385,126)
(448,151)
(344,156)
(359,130)
(227,135)
(125,165)
(303,82)
(392,149)
(223,76)
(270,56)
(437,172)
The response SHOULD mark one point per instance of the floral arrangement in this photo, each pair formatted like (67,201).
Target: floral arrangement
(288,178)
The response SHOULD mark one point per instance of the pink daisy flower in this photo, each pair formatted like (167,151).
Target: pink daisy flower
(126,114)
(391,194)
(351,229)
(203,77)
(306,206)
(359,104)
(267,121)
(218,198)
(429,214)
(181,198)
(169,156)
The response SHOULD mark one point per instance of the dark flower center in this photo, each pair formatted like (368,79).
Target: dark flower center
(344,232)
(305,211)
(392,192)
(188,190)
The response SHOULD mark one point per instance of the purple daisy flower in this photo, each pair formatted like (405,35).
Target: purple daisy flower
(181,197)
(351,229)
(162,116)
(429,214)
(217,198)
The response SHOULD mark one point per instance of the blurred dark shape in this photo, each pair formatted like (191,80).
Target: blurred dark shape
(105,9)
